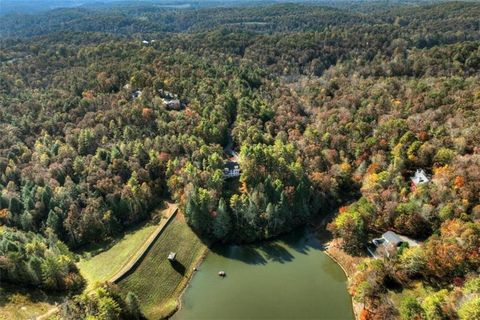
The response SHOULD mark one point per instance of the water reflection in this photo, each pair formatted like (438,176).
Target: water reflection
(276,250)
(288,278)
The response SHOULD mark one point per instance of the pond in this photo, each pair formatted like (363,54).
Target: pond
(289,278)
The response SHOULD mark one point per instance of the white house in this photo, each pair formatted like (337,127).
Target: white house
(419,177)
(231,169)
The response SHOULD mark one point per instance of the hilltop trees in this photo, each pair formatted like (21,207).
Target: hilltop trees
(445,260)
(104,302)
(96,158)
(351,225)
(460,303)
(222,223)
(31,260)
(326,108)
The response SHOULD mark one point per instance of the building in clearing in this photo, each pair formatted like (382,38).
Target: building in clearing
(388,244)
(231,169)
(173,104)
(419,177)
(171,101)
(136,94)
(171,256)
(389,238)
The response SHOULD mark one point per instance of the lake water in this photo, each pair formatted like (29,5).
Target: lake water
(290,278)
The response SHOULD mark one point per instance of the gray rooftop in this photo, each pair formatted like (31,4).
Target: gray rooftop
(392,238)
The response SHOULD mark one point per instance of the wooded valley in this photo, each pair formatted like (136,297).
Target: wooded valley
(327,108)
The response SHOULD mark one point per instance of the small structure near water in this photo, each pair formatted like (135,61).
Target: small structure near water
(171,256)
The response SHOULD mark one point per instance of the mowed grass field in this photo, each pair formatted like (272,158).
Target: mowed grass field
(104,265)
(157,282)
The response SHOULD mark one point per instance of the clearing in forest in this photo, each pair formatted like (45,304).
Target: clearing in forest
(103,266)
(159,282)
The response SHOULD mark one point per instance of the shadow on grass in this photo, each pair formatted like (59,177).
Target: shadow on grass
(178,266)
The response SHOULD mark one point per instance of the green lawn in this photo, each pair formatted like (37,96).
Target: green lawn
(19,303)
(104,265)
(156,281)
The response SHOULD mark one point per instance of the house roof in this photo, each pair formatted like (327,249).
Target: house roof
(420,177)
(392,238)
(173,102)
(231,165)
(136,93)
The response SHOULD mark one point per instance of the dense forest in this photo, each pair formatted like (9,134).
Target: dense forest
(324,106)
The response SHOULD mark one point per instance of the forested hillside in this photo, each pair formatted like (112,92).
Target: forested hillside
(325,106)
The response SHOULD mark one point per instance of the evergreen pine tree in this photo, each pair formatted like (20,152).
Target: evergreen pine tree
(222,223)
(133,305)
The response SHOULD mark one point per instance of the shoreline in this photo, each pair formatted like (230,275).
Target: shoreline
(319,227)
(356,306)
(184,288)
